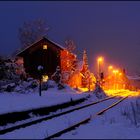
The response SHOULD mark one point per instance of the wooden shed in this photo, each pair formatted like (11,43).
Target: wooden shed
(43,52)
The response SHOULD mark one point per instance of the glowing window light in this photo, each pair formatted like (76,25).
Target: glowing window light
(45,47)
(45,78)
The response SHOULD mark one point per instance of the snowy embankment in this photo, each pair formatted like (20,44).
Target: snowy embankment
(120,122)
(17,102)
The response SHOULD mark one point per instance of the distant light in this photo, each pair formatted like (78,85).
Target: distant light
(100,59)
(45,47)
(115,71)
(120,73)
(110,67)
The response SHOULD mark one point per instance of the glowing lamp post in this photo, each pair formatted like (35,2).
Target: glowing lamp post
(40,69)
(109,69)
(115,72)
(99,62)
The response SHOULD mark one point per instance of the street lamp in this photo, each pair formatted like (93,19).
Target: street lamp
(40,69)
(110,68)
(115,78)
(99,61)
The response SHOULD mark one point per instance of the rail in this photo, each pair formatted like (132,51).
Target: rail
(57,134)
(6,130)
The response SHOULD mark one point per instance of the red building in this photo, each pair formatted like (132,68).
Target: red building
(43,52)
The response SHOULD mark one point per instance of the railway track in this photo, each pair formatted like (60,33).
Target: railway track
(13,117)
(48,117)
(57,115)
(84,121)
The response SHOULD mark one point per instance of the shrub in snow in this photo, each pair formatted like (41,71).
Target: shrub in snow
(57,75)
(26,86)
(33,84)
(51,84)
(9,87)
(4,82)
(99,92)
(29,84)
(3,69)
(8,72)
(29,79)
(58,78)
(60,86)
(18,88)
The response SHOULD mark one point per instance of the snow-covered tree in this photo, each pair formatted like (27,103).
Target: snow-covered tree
(88,78)
(85,71)
(57,77)
(3,69)
(19,68)
(85,60)
(68,61)
(31,31)
(9,70)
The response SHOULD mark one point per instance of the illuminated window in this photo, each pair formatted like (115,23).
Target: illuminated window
(45,78)
(44,47)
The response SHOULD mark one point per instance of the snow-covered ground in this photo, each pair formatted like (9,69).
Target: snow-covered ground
(46,128)
(118,123)
(14,101)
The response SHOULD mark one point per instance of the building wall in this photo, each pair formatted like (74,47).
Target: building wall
(49,58)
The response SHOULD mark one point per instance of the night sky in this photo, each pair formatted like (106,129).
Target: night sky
(111,29)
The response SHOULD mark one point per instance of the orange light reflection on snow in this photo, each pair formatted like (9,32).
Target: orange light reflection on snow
(122,93)
(83,89)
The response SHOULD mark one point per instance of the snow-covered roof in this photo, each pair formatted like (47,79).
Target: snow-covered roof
(57,44)
(61,47)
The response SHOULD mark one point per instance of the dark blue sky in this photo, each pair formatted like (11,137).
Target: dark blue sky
(105,28)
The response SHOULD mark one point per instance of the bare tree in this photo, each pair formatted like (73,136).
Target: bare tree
(31,31)
(70,45)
